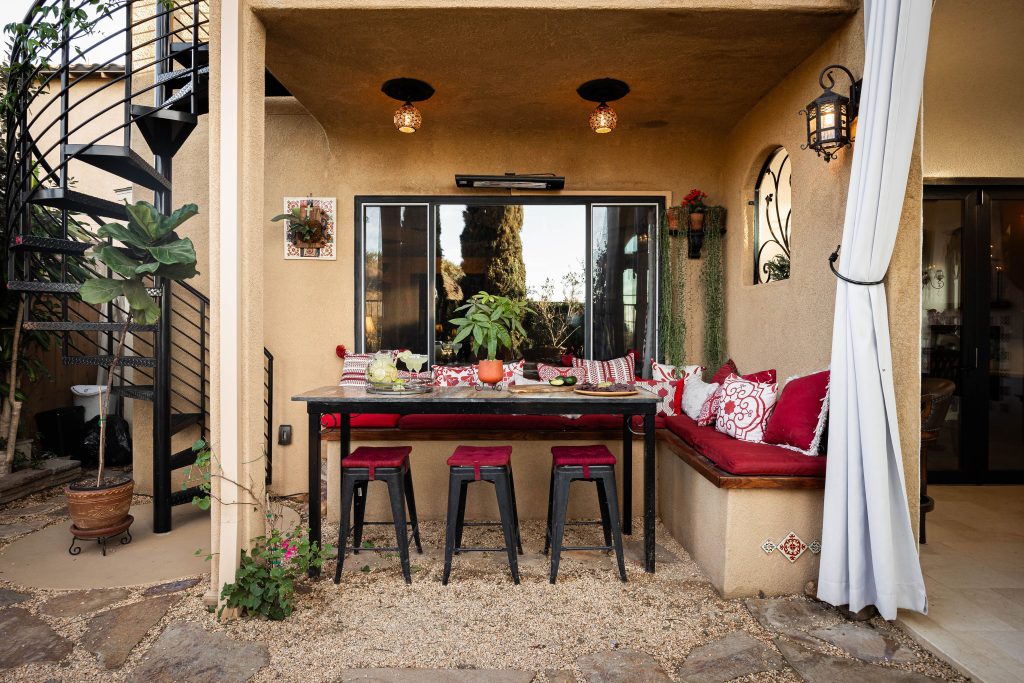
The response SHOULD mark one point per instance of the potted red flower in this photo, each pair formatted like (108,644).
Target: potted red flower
(694,202)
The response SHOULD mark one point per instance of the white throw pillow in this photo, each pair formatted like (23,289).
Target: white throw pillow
(695,392)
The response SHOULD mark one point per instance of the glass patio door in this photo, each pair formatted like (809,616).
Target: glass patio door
(972,330)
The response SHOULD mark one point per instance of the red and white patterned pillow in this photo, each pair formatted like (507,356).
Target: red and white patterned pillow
(453,375)
(709,412)
(745,408)
(620,370)
(661,372)
(549,372)
(425,375)
(509,371)
(665,391)
(353,372)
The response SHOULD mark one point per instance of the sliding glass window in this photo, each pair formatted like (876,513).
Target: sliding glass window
(584,264)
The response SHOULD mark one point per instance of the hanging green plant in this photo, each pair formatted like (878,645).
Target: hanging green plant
(712,278)
(673,300)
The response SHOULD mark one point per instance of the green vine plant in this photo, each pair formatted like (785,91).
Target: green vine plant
(673,296)
(275,562)
(713,281)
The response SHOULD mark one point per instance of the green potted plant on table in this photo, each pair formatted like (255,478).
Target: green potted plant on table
(489,322)
(146,247)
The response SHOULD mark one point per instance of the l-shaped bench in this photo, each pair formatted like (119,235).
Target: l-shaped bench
(748,514)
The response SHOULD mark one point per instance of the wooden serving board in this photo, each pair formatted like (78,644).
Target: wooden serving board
(607,393)
(538,389)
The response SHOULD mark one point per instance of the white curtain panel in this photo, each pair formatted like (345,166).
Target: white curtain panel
(868,552)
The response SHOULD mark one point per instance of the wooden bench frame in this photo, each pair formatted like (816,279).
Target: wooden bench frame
(705,467)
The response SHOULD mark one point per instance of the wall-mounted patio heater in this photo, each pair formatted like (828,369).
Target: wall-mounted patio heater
(512,181)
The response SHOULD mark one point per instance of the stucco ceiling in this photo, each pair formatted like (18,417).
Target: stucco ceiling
(518,69)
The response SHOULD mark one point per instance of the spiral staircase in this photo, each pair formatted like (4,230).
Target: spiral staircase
(51,133)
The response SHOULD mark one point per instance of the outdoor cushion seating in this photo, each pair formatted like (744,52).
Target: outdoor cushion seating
(372,458)
(743,458)
(361,421)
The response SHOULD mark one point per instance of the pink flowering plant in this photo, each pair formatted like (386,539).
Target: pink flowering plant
(274,563)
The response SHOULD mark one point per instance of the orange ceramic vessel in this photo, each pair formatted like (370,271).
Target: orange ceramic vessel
(490,371)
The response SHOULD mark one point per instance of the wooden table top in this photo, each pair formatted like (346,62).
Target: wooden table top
(469,396)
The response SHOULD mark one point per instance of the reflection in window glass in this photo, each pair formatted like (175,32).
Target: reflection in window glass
(527,251)
(395,277)
(621,305)
(773,208)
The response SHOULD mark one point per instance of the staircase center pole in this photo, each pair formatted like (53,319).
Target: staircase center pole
(162,384)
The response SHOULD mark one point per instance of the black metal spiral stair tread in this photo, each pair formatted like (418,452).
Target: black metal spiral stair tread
(70,200)
(49,245)
(165,130)
(58,287)
(183,459)
(139,392)
(80,326)
(182,53)
(185,497)
(181,77)
(121,161)
(180,421)
(107,361)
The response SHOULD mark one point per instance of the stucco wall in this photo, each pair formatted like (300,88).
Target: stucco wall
(972,95)
(309,306)
(787,325)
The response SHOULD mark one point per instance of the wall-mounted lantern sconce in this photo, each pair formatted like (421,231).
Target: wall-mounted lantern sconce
(831,118)
(408,118)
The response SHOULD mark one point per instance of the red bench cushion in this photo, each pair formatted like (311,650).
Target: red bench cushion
(743,457)
(361,421)
(372,457)
(480,456)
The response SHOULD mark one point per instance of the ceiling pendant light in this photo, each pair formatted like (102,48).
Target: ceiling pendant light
(408,118)
(603,90)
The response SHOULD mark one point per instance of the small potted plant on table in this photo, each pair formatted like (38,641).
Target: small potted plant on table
(489,322)
(146,247)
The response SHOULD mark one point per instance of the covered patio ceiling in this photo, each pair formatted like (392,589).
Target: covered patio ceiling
(517,69)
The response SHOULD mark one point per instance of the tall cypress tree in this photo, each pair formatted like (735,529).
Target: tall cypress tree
(492,251)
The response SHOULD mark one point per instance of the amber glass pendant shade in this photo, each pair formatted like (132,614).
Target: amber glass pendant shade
(408,118)
(603,119)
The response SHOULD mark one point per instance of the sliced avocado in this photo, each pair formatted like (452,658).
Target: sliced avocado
(570,380)
(556,381)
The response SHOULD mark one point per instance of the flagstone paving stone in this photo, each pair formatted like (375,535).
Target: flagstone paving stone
(25,639)
(78,603)
(621,666)
(816,667)
(437,676)
(172,587)
(735,655)
(188,652)
(18,528)
(9,597)
(113,634)
(865,643)
(791,617)
(559,676)
(28,511)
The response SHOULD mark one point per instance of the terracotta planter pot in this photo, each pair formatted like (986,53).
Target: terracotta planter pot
(490,371)
(697,222)
(99,508)
(320,244)
(673,221)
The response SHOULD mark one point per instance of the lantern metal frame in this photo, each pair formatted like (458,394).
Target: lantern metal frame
(407,91)
(827,140)
(603,91)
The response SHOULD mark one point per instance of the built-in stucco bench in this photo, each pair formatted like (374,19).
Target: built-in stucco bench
(723,500)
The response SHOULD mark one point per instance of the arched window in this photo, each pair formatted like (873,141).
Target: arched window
(773,207)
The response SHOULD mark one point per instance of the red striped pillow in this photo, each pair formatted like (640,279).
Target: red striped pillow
(549,372)
(616,370)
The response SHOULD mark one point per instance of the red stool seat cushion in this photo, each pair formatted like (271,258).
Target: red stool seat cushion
(372,457)
(586,456)
(480,456)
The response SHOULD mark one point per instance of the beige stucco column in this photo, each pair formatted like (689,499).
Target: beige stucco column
(236,282)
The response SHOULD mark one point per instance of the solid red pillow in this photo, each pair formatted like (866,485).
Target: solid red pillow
(728,368)
(763,377)
(799,417)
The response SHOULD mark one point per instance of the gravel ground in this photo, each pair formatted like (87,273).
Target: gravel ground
(480,620)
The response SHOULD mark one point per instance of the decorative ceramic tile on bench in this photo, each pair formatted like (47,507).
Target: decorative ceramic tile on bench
(792,547)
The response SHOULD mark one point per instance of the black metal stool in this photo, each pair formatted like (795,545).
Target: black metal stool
(582,463)
(481,463)
(390,465)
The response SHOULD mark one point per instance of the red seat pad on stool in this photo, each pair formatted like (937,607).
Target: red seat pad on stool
(361,421)
(372,457)
(480,456)
(586,456)
(745,457)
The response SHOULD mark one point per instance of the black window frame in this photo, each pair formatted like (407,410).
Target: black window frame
(651,345)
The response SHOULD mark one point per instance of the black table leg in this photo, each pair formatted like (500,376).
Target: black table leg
(314,480)
(649,510)
(627,475)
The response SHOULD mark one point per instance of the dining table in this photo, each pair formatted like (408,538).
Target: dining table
(468,400)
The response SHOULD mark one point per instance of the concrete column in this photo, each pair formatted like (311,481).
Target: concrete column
(236,267)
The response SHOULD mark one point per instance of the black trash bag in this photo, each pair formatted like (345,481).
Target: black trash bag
(119,442)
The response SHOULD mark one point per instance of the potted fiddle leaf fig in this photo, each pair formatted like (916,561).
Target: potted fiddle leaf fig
(146,247)
(489,322)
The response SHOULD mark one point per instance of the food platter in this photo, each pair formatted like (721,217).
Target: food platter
(606,389)
(403,389)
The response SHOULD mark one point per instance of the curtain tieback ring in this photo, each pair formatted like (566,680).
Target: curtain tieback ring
(832,266)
